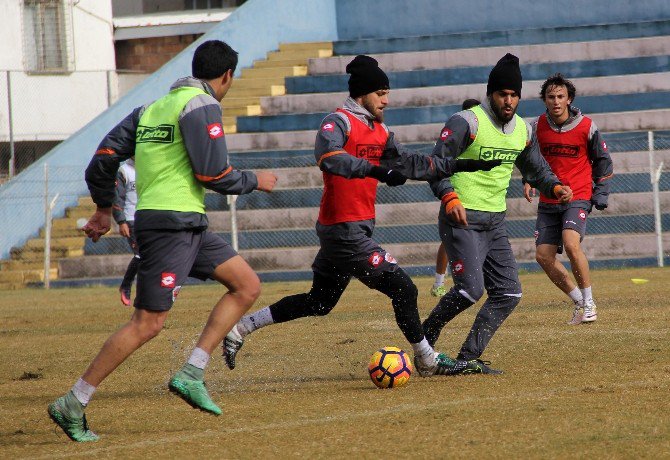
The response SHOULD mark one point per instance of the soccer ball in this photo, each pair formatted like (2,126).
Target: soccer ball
(390,367)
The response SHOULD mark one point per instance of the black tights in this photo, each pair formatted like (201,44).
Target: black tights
(326,292)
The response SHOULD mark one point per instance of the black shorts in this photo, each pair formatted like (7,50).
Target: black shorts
(168,257)
(349,250)
(550,224)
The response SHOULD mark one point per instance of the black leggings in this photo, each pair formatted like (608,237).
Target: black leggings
(326,292)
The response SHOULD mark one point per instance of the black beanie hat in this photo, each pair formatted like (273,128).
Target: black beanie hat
(366,76)
(505,75)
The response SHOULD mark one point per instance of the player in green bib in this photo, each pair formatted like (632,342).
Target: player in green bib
(472,218)
(180,150)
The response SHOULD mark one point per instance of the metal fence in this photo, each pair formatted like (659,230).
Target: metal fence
(32,122)
(275,232)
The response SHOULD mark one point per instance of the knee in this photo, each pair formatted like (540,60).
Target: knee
(408,291)
(321,305)
(250,292)
(149,328)
(476,292)
(544,259)
(473,294)
(572,249)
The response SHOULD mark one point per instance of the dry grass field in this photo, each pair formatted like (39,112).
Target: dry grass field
(301,390)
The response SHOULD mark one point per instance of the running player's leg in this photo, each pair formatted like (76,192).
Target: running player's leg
(504,294)
(574,229)
(380,271)
(467,250)
(217,260)
(328,284)
(167,258)
(548,239)
(441,260)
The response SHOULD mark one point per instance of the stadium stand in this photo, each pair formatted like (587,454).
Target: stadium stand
(622,74)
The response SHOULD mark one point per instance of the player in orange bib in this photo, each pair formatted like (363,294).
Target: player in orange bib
(355,150)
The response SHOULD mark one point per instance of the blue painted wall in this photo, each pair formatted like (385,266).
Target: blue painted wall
(396,18)
(253,29)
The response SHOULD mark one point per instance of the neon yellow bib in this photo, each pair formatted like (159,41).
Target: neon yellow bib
(486,190)
(165,179)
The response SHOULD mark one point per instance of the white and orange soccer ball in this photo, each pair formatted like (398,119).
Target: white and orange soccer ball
(390,367)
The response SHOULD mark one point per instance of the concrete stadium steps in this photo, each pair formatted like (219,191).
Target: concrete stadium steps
(479,74)
(488,56)
(289,71)
(454,94)
(402,233)
(440,113)
(300,140)
(623,249)
(11,265)
(23,277)
(301,46)
(279,159)
(266,78)
(420,212)
(26,264)
(297,57)
(309,197)
(503,38)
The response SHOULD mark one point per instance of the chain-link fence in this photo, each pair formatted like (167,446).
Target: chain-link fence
(275,232)
(32,122)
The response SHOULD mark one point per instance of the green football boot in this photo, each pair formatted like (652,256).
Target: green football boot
(194,393)
(474,366)
(76,428)
(438,291)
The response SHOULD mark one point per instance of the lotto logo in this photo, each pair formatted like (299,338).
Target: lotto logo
(168,280)
(604,146)
(328,127)
(215,130)
(582,214)
(457,267)
(390,259)
(445,133)
(375,259)
(536,233)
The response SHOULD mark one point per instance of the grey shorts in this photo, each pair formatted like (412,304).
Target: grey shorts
(168,257)
(551,222)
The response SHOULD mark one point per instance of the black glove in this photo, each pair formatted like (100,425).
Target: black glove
(388,176)
(473,165)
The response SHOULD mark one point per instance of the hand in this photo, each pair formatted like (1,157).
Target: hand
(124,230)
(394,178)
(266,181)
(98,224)
(458,215)
(529,192)
(474,165)
(388,176)
(563,193)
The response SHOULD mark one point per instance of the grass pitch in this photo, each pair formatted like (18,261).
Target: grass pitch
(301,389)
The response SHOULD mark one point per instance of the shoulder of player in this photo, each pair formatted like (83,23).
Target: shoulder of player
(335,120)
(200,102)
